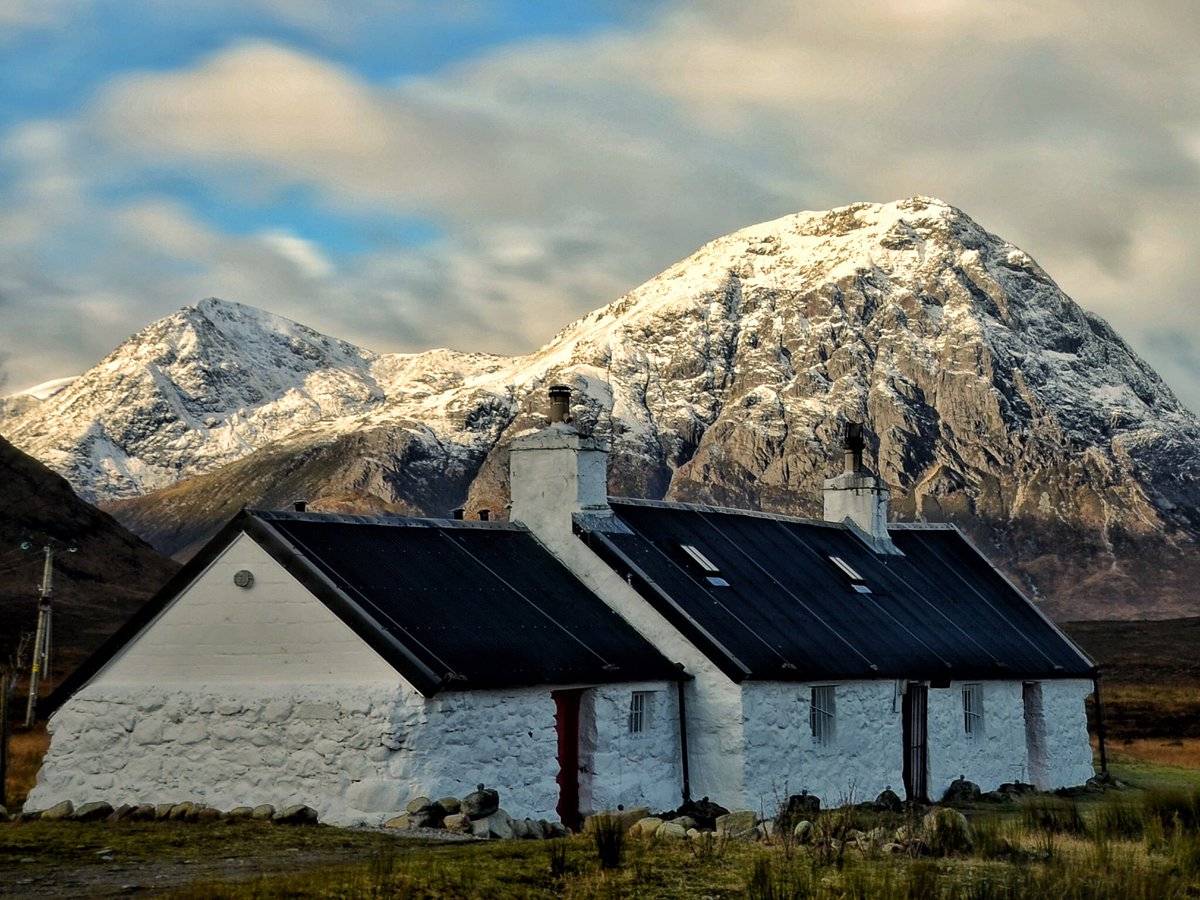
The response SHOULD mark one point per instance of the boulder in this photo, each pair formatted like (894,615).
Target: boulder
(765,830)
(533,830)
(480,803)
(417,805)
(182,812)
(686,821)
(671,831)
(241,812)
(997,797)
(626,817)
(402,822)
(163,810)
(892,849)
(1016,788)
(123,813)
(556,830)
(704,811)
(520,829)
(457,822)
(803,832)
(737,825)
(646,827)
(889,801)
(449,805)
(59,811)
(144,812)
(497,826)
(946,831)
(961,791)
(93,812)
(263,812)
(299,814)
(800,806)
(207,814)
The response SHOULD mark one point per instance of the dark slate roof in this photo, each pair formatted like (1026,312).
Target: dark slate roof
(452,605)
(940,611)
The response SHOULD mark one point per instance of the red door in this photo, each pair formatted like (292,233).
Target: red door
(566,723)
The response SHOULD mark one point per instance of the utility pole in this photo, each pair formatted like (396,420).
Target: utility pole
(41,637)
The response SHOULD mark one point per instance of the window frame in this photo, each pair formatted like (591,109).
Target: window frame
(822,714)
(973,710)
(695,555)
(639,714)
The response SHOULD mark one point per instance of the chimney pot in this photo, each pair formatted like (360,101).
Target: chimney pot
(853,445)
(300,505)
(484,515)
(458,512)
(560,403)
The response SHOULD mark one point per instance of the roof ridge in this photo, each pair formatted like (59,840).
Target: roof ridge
(397,521)
(728,510)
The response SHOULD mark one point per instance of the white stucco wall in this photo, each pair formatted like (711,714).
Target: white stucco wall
(274,632)
(782,757)
(631,769)
(1069,748)
(233,697)
(988,759)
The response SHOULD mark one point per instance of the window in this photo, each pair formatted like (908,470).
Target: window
(639,711)
(856,581)
(700,559)
(972,699)
(821,714)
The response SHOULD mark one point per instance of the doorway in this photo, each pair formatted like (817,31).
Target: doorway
(1035,733)
(916,742)
(566,725)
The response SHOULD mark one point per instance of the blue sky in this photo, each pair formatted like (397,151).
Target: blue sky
(409,174)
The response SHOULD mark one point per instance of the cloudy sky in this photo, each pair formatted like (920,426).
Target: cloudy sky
(477,174)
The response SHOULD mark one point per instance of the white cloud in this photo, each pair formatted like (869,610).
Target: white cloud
(564,171)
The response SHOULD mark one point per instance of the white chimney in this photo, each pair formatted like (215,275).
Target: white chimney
(557,472)
(858,497)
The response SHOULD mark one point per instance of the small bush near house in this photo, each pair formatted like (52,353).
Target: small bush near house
(609,837)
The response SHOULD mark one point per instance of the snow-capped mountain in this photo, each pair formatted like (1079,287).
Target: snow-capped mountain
(992,399)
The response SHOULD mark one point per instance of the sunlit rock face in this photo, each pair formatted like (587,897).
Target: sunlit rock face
(989,397)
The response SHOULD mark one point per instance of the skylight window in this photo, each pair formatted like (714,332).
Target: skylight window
(848,570)
(699,558)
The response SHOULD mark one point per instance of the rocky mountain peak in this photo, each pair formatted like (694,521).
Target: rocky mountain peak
(990,398)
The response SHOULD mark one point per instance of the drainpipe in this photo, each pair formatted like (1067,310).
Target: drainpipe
(1100,724)
(683,742)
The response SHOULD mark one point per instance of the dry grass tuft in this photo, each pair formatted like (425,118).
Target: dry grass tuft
(25,752)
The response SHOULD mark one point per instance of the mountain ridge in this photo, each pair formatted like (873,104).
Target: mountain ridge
(991,399)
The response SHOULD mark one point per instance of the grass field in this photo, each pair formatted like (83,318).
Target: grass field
(1142,842)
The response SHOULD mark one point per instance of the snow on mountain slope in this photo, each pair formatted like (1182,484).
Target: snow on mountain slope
(991,397)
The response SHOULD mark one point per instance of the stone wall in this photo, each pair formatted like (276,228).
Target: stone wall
(782,757)
(631,769)
(354,753)
(990,758)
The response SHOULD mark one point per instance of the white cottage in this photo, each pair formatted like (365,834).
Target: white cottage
(590,652)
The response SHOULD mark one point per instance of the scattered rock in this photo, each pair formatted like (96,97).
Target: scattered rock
(418,805)
(889,801)
(704,811)
(800,806)
(163,810)
(182,812)
(449,805)
(1016,788)
(671,831)
(296,815)
(946,831)
(456,822)
(480,803)
(961,791)
(402,822)
(241,812)
(556,830)
(207,814)
(738,826)
(803,832)
(646,827)
(892,849)
(997,797)
(626,817)
(59,811)
(263,812)
(497,826)
(123,813)
(686,821)
(533,830)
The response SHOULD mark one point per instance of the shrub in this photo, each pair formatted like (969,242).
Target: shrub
(1175,809)
(1119,821)
(556,852)
(1054,816)
(609,836)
